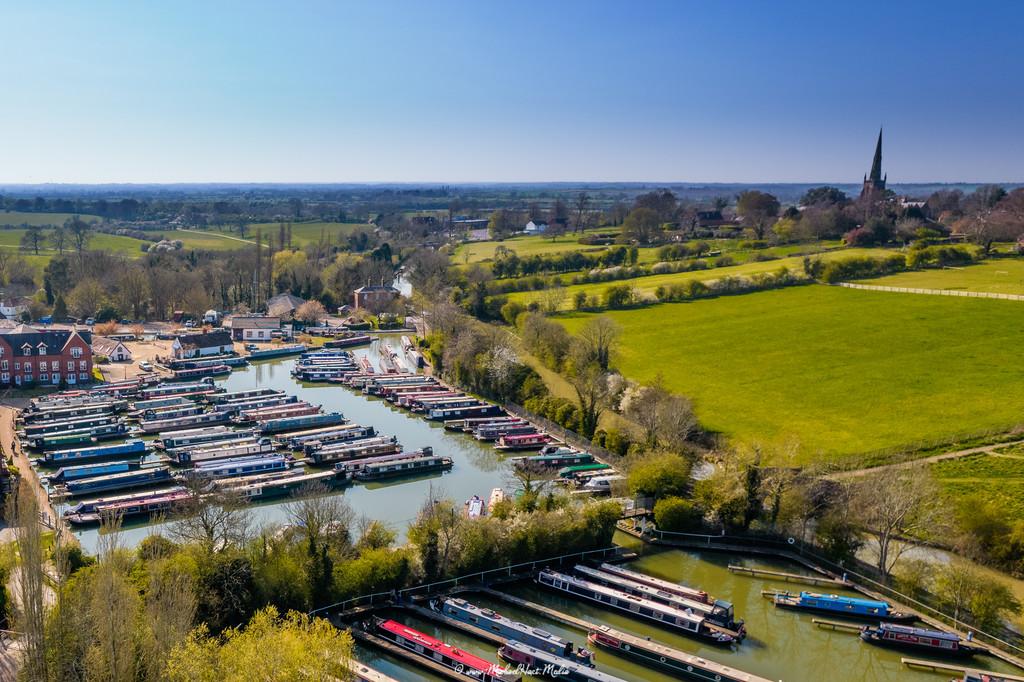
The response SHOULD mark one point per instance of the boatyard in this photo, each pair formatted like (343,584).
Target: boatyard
(362,421)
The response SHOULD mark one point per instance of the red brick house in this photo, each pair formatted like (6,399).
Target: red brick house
(33,357)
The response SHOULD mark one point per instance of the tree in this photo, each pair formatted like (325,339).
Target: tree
(662,417)
(86,298)
(892,508)
(677,515)
(642,225)
(270,647)
(664,475)
(598,340)
(961,588)
(501,224)
(531,480)
(80,232)
(758,210)
(322,518)
(59,239)
(824,196)
(580,204)
(214,522)
(985,221)
(591,385)
(32,239)
(30,620)
(662,202)
(310,313)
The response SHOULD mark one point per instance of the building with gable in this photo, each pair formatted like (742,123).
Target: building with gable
(33,357)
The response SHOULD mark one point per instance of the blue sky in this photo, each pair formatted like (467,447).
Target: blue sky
(453,91)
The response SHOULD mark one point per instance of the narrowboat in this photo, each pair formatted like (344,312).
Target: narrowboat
(364,673)
(494,432)
(239,466)
(243,404)
(296,423)
(78,437)
(553,461)
(140,406)
(215,451)
(474,507)
(75,424)
(355,449)
(403,467)
(663,585)
(243,395)
(66,413)
(349,467)
(600,484)
(551,665)
(329,436)
(266,489)
(477,410)
(200,372)
(133,446)
(193,363)
(177,439)
(349,341)
(72,473)
(183,423)
(470,424)
(200,388)
(124,480)
(277,352)
(321,374)
(495,623)
(932,642)
(686,622)
(720,615)
(261,414)
(677,663)
(129,505)
(577,469)
(460,662)
(836,605)
(173,412)
(426,404)
(526,441)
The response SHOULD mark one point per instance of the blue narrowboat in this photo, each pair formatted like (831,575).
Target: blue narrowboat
(65,474)
(837,605)
(280,351)
(122,481)
(132,446)
(493,622)
(304,422)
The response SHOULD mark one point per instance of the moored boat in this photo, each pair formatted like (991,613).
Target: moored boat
(138,504)
(132,446)
(459,662)
(71,473)
(124,480)
(837,605)
(932,642)
(403,467)
(474,507)
(285,424)
(496,498)
(551,665)
(526,441)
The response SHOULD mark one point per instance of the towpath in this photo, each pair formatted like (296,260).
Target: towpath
(955,454)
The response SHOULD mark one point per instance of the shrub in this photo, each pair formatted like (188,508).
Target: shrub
(724,261)
(676,515)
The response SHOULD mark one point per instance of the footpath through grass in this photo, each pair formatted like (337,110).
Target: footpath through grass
(842,371)
(997,477)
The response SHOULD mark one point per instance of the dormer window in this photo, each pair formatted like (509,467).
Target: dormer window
(26,349)
(76,352)
(42,348)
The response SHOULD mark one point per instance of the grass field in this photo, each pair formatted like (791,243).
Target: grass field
(998,477)
(476,252)
(309,233)
(844,372)
(1001,276)
(18,218)
(647,285)
(128,246)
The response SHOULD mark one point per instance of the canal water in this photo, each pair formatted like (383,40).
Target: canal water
(780,645)
(477,466)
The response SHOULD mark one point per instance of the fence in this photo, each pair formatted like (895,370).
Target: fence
(490,574)
(857,570)
(933,292)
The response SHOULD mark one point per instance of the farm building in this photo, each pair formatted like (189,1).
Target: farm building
(113,349)
(536,227)
(202,344)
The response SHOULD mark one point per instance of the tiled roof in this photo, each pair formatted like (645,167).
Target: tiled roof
(54,339)
(104,345)
(207,340)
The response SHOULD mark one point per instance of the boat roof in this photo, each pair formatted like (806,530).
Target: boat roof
(495,616)
(868,603)
(557,661)
(919,632)
(619,594)
(429,642)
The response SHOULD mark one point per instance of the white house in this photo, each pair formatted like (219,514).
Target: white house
(12,309)
(254,328)
(200,345)
(536,227)
(114,349)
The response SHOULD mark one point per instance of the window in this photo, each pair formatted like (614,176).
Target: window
(17,366)
(3,365)
(81,365)
(44,377)
(28,367)
(42,348)
(83,376)
(26,349)
(76,352)
(5,377)
(56,377)
(55,365)
(71,366)
(1,351)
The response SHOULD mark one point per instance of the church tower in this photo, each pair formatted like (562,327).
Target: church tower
(874,183)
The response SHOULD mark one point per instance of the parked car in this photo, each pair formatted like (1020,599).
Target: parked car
(90,321)
(145,366)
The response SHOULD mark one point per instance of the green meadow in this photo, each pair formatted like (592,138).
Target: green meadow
(531,245)
(997,477)
(19,218)
(850,375)
(997,275)
(310,233)
(649,284)
(127,246)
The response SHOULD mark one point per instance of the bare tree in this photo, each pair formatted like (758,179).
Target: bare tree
(892,508)
(592,388)
(321,516)
(114,611)
(170,609)
(599,339)
(531,480)
(32,239)
(30,618)
(214,521)
(580,204)
(59,239)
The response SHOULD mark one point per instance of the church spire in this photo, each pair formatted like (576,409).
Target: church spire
(876,163)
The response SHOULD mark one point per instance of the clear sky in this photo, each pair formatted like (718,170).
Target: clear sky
(452,91)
